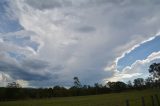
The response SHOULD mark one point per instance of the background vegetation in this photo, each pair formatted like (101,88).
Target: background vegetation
(113,99)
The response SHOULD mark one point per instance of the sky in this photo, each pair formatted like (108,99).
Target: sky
(45,43)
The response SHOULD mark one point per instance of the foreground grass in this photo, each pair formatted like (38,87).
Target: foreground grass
(113,99)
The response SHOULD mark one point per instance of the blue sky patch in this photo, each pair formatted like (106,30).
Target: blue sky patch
(7,23)
(140,53)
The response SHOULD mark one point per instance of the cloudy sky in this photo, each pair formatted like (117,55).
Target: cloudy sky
(48,42)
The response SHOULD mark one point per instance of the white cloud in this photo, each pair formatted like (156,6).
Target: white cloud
(4,79)
(128,49)
(23,83)
(138,69)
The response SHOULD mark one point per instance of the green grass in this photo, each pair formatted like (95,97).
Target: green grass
(113,99)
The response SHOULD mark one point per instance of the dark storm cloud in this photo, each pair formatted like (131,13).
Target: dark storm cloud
(24,72)
(35,64)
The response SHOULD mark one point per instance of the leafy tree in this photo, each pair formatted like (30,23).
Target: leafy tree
(154,70)
(117,85)
(149,82)
(129,84)
(96,85)
(76,89)
(120,85)
(57,87)
(139,82)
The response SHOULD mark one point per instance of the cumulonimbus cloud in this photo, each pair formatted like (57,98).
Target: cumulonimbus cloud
(82,37)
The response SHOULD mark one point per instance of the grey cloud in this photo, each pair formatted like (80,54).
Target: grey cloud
(50,83)
(48,4)
(22,72)
(86,29)
(57,68)
(109,1)
(124,2)
(35,64)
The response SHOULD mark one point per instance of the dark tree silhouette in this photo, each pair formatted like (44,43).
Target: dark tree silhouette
(154,70)
(118,86)
(149,82)
(139,82)
(77,83)
(129,84)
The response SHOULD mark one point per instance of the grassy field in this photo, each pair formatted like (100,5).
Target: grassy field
(113,99)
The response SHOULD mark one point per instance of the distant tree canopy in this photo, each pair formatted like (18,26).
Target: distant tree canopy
(154,70)
(117,85)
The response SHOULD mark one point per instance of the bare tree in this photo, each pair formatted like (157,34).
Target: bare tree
(14,85)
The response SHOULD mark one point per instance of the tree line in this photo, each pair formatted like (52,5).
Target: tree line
(14,91)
